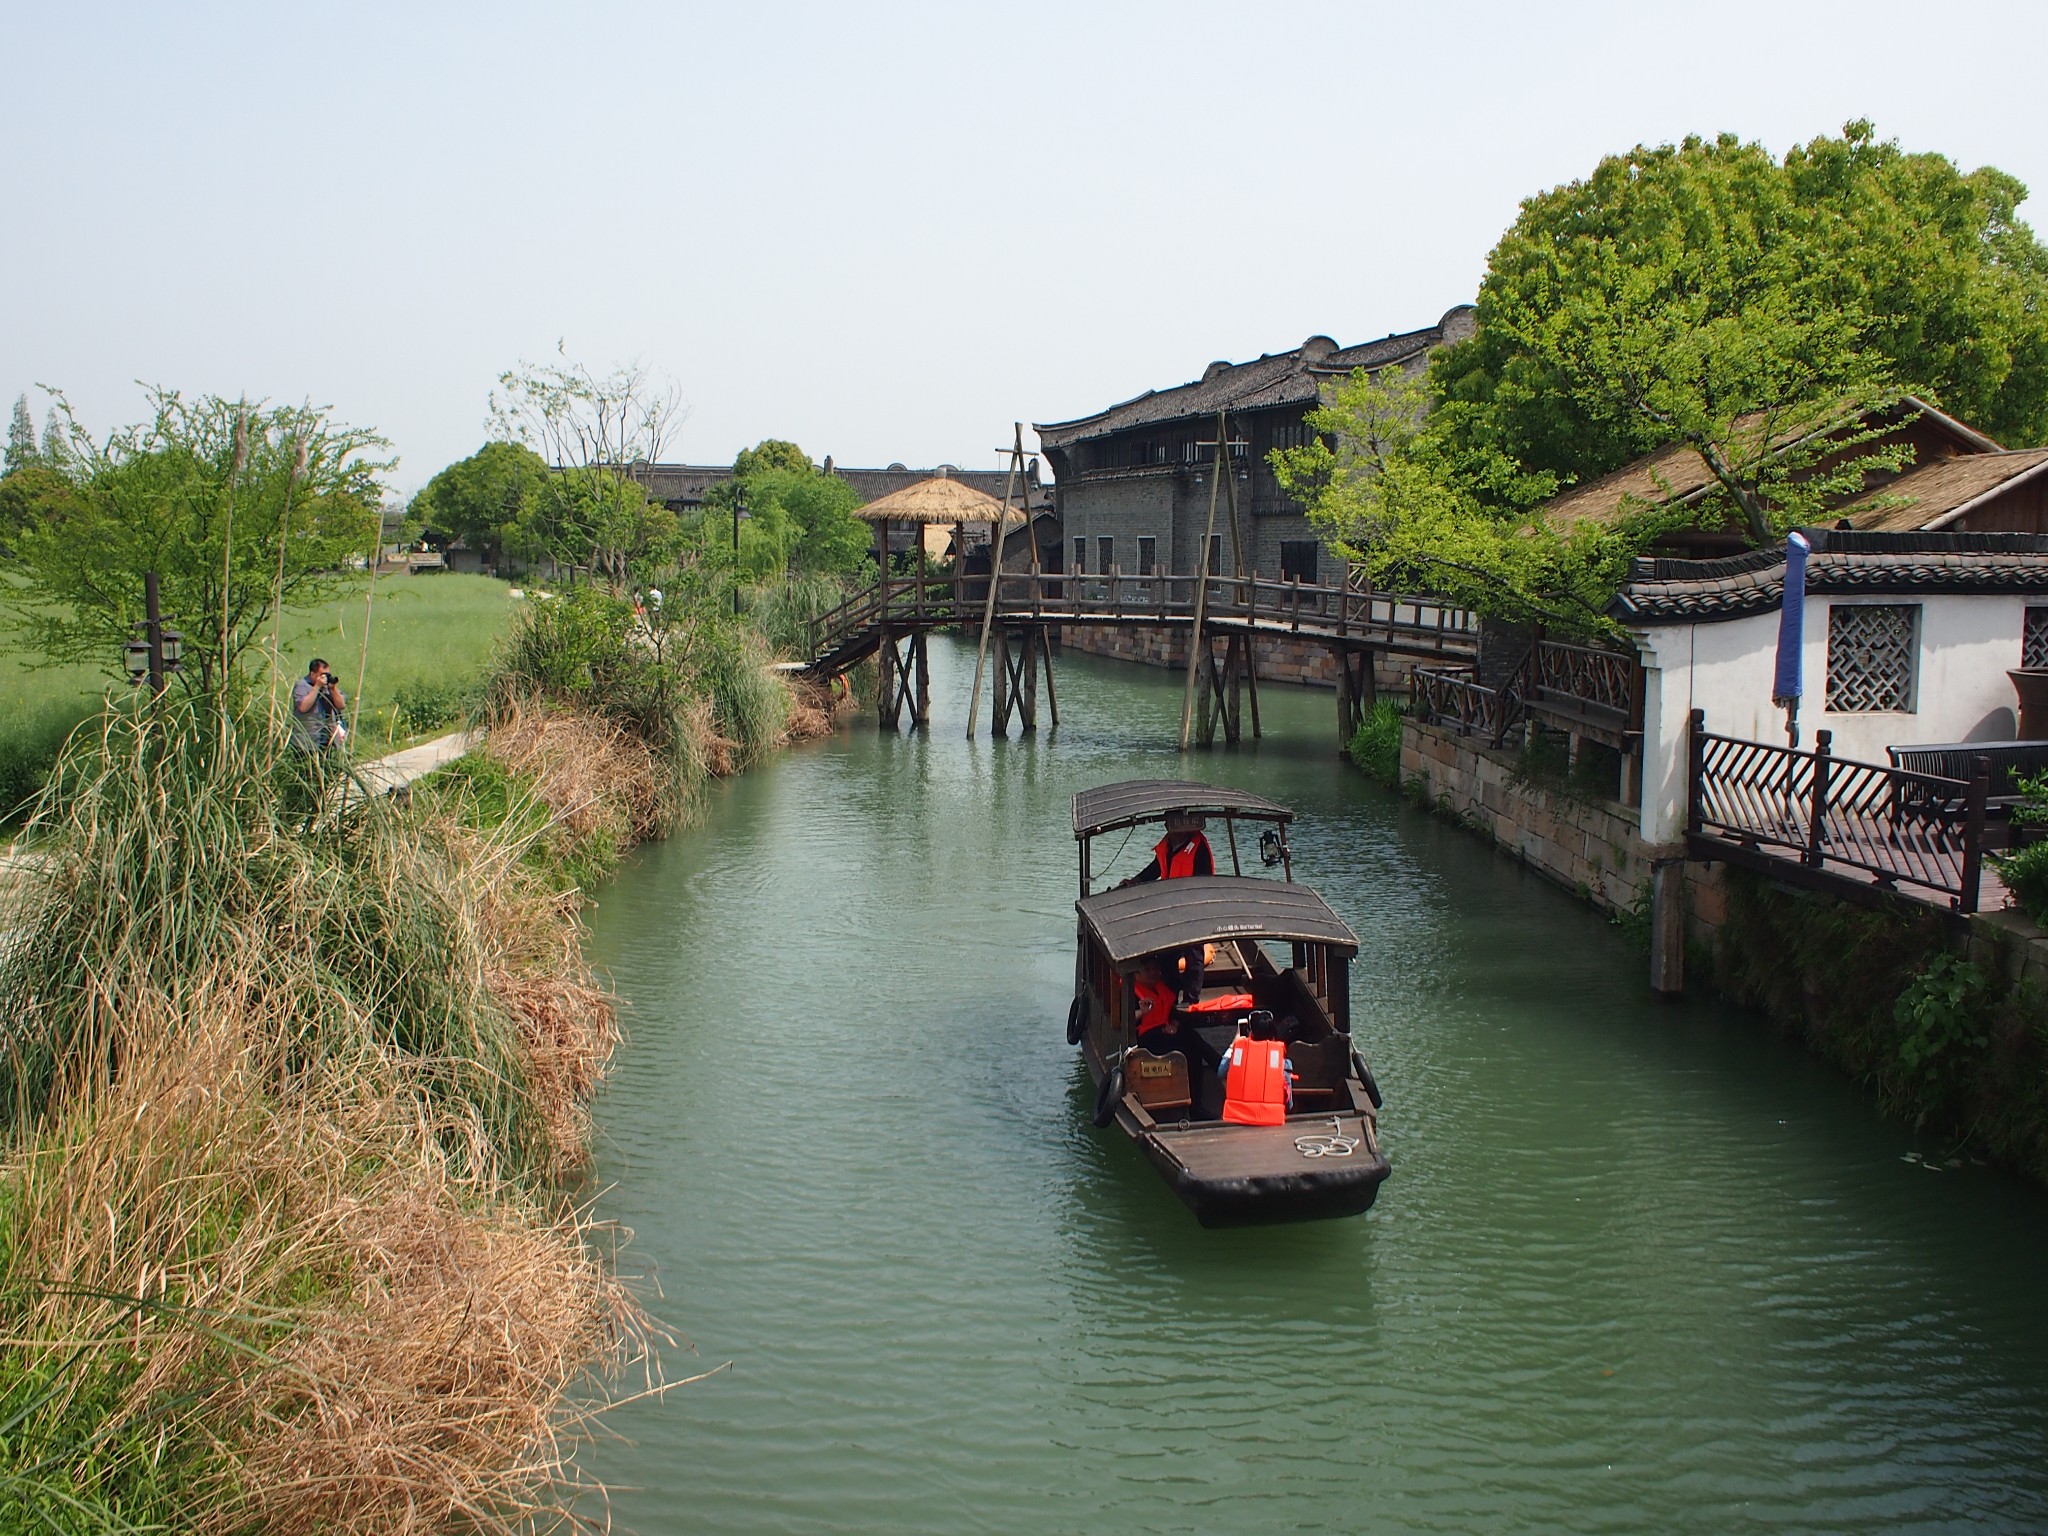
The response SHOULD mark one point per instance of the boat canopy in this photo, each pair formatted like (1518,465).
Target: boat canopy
(1110,806)
(1160,915)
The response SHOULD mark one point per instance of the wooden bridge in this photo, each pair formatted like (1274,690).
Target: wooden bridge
(1222,615)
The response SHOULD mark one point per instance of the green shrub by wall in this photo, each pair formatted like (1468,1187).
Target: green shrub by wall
(1944,1037)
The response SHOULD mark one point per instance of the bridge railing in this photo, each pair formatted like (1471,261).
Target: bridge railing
(1865,822)
(1458,700)
(1342,609)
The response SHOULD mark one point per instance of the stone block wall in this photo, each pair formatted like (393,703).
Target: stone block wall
(1280,658)
(1590,847)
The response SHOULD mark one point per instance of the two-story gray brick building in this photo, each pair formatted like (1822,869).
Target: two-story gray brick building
(1131,483)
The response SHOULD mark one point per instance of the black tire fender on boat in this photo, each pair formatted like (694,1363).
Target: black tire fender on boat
(1109,1095)
(1372,1089)
(1077,1021)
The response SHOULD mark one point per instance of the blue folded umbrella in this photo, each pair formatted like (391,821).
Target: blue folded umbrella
(1788,681)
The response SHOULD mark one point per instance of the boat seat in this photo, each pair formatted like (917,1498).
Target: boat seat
(1320,1067)
(1159,1082)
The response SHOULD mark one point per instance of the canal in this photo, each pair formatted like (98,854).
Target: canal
(1637,1268)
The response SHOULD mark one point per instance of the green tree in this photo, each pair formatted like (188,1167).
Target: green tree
(234,507)
(58,451)
(484,500)
(800,521)
(21,438)
(773,453)
(1394,491)
(1696,283)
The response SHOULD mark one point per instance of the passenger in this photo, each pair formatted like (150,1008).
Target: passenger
(1158,1030)
(1258,1077)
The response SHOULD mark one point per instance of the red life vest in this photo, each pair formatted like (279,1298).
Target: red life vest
(1255,1088)
(1179,865)
(1155,1006)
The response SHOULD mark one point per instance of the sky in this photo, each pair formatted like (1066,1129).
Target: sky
(884,231)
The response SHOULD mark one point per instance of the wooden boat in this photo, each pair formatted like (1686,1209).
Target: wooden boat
(1268,943)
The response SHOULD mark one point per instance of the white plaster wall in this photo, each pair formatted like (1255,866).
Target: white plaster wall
(1960,688)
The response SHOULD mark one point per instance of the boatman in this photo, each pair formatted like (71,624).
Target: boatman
(1258,1079)
(1182,852)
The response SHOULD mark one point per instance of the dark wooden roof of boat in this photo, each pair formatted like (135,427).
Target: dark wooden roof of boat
(1136,920)
(1109,806)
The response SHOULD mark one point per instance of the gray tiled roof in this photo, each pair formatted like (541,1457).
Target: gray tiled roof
(1661,591)
(1284,378)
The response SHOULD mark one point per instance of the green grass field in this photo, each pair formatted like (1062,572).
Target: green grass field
(430,638)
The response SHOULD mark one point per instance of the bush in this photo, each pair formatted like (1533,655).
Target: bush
(423,704)
(1376,745)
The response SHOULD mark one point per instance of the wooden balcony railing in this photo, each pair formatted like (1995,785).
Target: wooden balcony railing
(1865,823)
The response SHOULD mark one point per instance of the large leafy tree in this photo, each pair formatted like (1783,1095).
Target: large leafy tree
(1692,284)
(235,508)
(486,500)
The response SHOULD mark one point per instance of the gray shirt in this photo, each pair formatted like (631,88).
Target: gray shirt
(310,727)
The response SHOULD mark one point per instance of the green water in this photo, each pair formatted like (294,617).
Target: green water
(1638,1268)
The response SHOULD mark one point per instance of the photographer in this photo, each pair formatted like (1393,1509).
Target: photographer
(317,707)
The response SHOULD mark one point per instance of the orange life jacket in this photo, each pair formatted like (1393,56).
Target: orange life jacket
(1178,865)
(1224,1002)
(1155,1006)
(1255,1088)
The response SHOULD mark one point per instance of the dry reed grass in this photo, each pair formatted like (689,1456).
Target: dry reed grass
(264,1222)
(420,1385)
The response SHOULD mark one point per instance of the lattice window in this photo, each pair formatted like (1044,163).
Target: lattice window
(2034,639)
(1870,656)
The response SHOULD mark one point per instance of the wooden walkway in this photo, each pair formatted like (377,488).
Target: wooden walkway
(892,618)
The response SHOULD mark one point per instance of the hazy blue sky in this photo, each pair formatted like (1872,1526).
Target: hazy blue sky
(885,231)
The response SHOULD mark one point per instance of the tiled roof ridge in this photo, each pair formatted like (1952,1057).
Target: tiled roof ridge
(1273,369)
(1843,562)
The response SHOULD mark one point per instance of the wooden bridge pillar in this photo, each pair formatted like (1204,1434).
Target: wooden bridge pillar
(1221,688)
(1018,650)
(905,679)
(1357,690)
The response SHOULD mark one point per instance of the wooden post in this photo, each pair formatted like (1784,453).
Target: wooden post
(1052,697)
(1229,490)
(1187,703)
(920,661)
(1251,684)
(1695,769)
(1817,807)
(1667,928)
(995,568)
(1027,684)
(999,652)
(1973,837)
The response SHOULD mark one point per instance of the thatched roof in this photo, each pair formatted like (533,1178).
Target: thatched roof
(1676,474)
(1932,496)
(941,499)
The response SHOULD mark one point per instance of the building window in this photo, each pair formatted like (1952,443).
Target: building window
(1870,656)
(1215,554)
(1298,560)
(2034,639)
(1148,547)
(1106,548)
(1080,557)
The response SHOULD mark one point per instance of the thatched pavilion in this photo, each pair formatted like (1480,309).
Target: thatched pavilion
(938,502)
